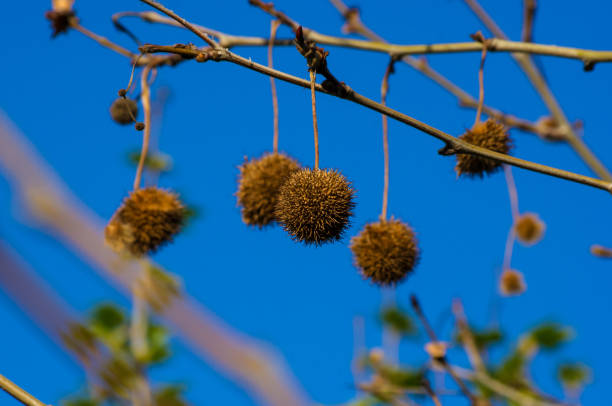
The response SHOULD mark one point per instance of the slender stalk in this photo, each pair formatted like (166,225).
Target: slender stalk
(19,394)
(313,76)
(512,192)
(384,89)
(539,83)
(481,84)
(416,306)
(145,98)
(274,24)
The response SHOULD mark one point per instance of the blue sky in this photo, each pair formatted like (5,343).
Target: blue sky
(302,300)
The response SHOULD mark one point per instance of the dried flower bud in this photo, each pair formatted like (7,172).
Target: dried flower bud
(601,251)
(62,5)
(139,126)
(436,349)
(60,19)
(512,283)
(124,111)
(258,186)
(529,228)
(376,356)
(385,251)
(490,135)
(148,219)
(314,206)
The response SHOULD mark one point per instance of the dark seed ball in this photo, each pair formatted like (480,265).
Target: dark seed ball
(258,184)
(124,111)
(314,206)
(385,251)
(490,135)
(147,219)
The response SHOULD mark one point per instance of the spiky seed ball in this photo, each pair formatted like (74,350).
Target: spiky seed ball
(123,110)
(314,206)
(490,135)
(258,184)
(385,251)
(147,219)
(529,228)
(512,283)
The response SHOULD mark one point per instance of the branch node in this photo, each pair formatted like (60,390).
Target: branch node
(447,150)
(588,65)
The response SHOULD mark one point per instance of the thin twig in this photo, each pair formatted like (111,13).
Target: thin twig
(456,144)
(313,96)
(19,394)
(539,83)
(183,22)
(430,392)
(225,40)
(354,24)
(416,306)
(529,11)
(502,389)
(101,40)
(145,99)
(274,24)
(467,338)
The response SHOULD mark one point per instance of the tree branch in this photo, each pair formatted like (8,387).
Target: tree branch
(19,394)
(539,83)
(257,369)
(455,144)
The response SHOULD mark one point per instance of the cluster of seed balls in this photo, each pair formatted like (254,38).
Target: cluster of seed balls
(314,206)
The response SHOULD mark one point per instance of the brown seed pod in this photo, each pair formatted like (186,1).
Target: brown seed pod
(529,228)
(385,251)
(490,135)
(314,206)
(512,283)
(123,111)
(147,219)
(258,184)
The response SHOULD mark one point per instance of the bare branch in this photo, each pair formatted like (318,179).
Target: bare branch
(257,369)
(19,394)
(457,145)
(539,83)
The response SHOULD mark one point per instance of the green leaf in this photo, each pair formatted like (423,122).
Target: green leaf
(80,402)
(573,375)
(107,317)
(157,337)
(512,370)
(550,336)
(109,324)
(484,338)
(398,320)
(157,162)
(402,377)
(170,395)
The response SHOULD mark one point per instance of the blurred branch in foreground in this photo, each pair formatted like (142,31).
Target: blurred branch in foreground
(257,369)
